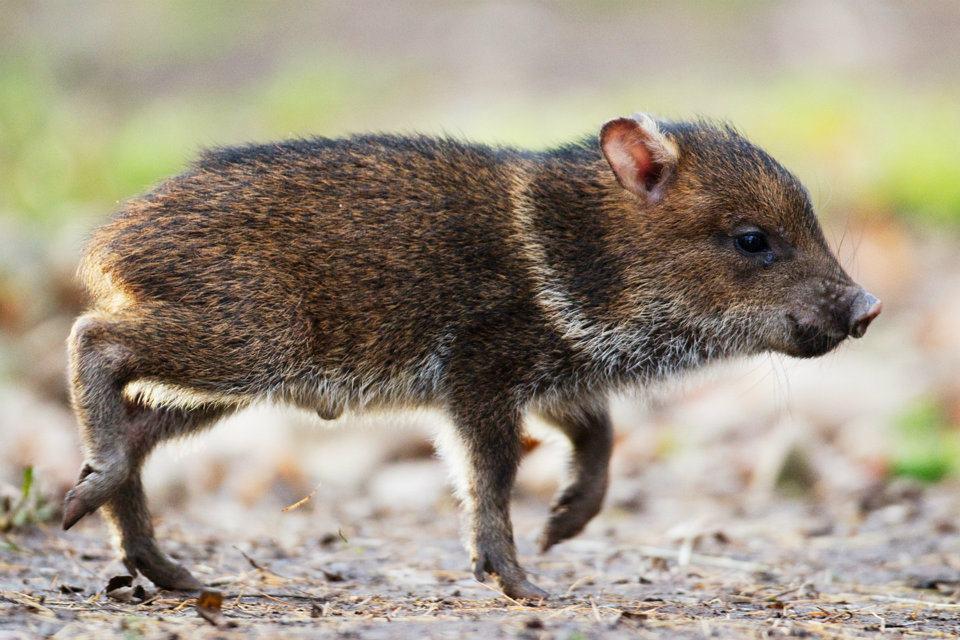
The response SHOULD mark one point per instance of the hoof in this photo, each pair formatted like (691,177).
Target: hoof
(162,571)
(569,515)
(94,487)
(523,590)
(74,509)
(184,582)
(553,535)
(510,577)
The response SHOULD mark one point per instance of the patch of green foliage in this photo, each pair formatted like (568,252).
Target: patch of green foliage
(67,153)
(30,508)
(928,445)
(862,147)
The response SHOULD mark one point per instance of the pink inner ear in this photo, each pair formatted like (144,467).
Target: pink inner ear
(648,172)
(627,151)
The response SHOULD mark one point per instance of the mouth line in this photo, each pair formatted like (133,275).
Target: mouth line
(811,341)
(810,344)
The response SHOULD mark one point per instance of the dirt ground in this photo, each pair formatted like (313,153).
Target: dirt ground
(887,564)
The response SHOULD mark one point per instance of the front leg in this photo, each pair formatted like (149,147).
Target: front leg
(591,436)
(487,442)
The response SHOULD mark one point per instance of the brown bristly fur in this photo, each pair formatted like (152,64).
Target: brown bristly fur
(391,271)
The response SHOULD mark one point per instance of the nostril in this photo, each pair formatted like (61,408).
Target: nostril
(865,309)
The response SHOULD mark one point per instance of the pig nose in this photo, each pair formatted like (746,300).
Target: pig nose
(864,309)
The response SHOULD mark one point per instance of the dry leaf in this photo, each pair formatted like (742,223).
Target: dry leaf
(120,588)
(210,607)
(118,582)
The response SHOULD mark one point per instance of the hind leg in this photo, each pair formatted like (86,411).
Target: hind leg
(126,510)
(591,436)
(117,437)
(100,365)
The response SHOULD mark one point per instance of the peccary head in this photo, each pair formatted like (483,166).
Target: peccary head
(726,239)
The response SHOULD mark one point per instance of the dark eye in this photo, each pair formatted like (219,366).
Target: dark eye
(752,242)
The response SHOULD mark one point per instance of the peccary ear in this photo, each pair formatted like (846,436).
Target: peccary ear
(642,158)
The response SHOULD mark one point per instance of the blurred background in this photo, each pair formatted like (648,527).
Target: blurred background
(99,100)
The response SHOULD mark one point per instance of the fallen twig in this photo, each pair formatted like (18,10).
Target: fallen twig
(697,558)
(302,501)
(917,603)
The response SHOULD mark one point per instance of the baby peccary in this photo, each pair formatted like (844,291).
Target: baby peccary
(384,271)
